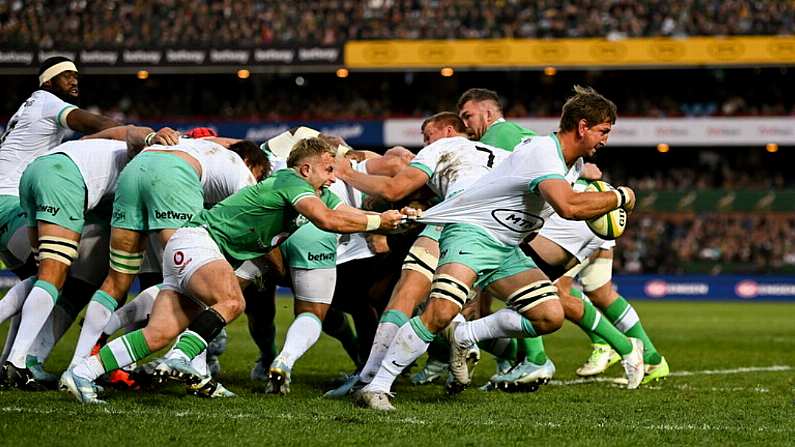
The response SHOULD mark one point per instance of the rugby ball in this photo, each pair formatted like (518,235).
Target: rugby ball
(611,225)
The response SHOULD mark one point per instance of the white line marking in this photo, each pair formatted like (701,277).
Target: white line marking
(706,372)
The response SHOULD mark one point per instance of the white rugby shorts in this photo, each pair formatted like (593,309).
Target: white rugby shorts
(188,250)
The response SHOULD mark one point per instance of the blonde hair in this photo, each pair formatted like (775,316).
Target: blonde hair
(309,147)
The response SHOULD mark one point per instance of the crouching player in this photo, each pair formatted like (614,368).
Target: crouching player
(200,291)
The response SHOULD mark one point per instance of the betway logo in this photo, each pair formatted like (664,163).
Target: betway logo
(321,257)
(48,209)
(172,215)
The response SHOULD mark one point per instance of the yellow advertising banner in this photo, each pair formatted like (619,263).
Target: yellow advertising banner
(584,53)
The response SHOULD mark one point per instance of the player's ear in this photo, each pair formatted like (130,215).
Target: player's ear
(304,169)
(582,128)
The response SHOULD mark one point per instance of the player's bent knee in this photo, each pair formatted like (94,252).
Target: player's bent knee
(596,274)
(450,288)
(547,317)
(439,314)
(58,249)
(422,261)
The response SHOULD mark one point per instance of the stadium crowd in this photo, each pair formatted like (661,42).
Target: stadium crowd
(707,243)
(42,23)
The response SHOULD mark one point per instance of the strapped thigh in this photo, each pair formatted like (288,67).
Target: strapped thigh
(529,296)
(58,249)
(422,261)
(449,288)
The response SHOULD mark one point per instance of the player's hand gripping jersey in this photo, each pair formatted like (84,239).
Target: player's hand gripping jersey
(506,202)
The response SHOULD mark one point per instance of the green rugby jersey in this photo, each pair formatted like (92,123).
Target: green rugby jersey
(505,135)
(245,223)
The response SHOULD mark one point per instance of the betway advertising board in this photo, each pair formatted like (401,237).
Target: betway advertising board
(697,287)
(727,131)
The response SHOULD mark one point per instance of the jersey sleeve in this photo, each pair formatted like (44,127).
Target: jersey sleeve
(427,159)
(56,110)
(295,189)
(330,199)
(541,162)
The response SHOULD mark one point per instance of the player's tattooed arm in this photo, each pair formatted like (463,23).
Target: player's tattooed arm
(86,122)
(582,205)
(346,219)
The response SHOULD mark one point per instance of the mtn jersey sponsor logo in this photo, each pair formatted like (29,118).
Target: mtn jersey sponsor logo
(48,209)
(172,215)
(321,257)
(518,221)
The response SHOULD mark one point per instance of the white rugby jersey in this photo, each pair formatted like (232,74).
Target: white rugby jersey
(100,161)
(351,246)
(38,126)
(506,201)
(452,164)
(223,171)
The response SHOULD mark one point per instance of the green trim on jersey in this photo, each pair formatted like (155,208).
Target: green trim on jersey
(506,135)
(535,182)
(422,167)
(60,118)
(245,224)
(554,136)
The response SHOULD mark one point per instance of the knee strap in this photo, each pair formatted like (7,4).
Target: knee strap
(125,261)
(422,261)
(58,249)
(451,289)
(532,295)
(596,274)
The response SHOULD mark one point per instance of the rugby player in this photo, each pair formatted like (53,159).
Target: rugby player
(447,164)
(481,111)
(197,264)
(479,243)
(57,190)
(158,192)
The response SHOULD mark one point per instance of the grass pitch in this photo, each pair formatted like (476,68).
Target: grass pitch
(733,377)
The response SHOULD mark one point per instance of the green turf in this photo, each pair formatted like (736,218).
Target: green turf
(715,409)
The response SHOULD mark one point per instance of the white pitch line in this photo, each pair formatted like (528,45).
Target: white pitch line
(706,372)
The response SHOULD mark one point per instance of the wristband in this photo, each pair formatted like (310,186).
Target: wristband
(624,198)
(619,198)
(149,137)
(373,222)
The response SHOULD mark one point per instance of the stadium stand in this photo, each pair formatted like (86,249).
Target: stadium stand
(116,23)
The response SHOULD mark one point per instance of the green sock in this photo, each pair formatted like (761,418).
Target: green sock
(532,350)
(624,317)
(502,348)
(439,349)
(591,320)
(191,344)
(124,350)
(595,338)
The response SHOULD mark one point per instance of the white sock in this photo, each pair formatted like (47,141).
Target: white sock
(390,322)
(57,325)
(12,302)
(503,323)
(35,312)
(301,336)
(199,363)
(407,347)
(89,368)
(13,328)
(133,312)
(99,311)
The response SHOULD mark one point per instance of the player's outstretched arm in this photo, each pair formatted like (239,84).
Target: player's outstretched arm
(584,205)
(346,219)
(392,189)
(87,122)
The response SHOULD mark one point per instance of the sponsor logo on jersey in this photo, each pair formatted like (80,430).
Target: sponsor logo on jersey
(321,256)
(119,215)
(172,215)
(48,209)
(517,220)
